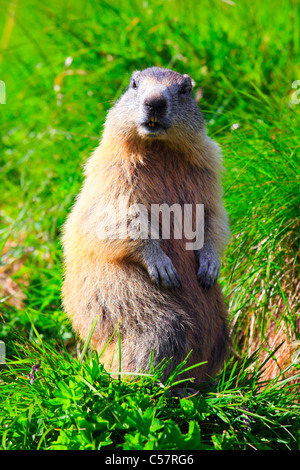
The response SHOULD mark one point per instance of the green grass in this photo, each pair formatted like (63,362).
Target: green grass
(79,406)
(243,59)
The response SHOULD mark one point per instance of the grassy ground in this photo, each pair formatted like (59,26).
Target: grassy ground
(63,65)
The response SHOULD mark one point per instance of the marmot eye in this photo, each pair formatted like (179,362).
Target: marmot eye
(133,83)
(184,89)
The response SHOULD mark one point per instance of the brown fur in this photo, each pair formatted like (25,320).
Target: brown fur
(107,277)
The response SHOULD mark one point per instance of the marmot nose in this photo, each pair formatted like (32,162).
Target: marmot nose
(155,104)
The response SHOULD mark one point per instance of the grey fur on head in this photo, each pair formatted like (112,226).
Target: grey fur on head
(158,104)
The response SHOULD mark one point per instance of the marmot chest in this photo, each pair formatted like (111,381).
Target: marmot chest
(169,183)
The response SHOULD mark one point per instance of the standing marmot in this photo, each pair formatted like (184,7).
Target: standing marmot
(154,151)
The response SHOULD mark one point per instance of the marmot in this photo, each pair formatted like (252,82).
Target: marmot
(165,297)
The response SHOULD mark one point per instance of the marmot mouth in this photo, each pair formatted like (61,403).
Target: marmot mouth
(153,121)
(153,126)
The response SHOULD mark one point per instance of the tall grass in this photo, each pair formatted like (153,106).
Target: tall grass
(64,65)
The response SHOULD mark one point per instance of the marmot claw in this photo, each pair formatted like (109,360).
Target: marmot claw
(209,270)
(163,273)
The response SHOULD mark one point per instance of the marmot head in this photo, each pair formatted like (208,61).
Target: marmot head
(157,105)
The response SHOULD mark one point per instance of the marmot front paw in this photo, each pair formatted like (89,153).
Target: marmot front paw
(209,270)
(162,272)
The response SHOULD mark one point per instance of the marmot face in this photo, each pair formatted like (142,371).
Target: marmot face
(158,104)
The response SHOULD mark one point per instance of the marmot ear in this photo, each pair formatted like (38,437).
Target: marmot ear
(193,83)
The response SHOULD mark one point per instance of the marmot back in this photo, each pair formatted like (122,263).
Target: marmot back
(155,163)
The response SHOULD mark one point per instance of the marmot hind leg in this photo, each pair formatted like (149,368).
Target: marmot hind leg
(163,343)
